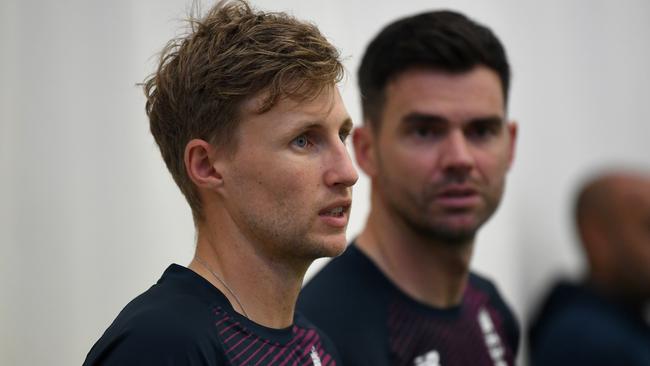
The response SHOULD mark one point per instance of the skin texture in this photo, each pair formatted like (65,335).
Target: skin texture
(438,165)
(291,165)
(613,218)
(267,204)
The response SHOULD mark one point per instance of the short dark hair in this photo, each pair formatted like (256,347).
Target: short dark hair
(231,54)
(440,40)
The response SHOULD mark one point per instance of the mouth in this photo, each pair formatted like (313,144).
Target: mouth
(457,192)
(336,214)
(458,197)
(337,209)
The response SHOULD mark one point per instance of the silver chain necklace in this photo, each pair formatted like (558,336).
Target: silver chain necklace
(206,266)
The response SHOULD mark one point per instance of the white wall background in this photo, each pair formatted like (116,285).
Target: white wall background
(89,216)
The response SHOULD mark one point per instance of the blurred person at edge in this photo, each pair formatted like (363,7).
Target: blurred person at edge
(437,146)
(603,320)
(249,120)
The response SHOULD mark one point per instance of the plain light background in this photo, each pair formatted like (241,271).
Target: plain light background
(90,217)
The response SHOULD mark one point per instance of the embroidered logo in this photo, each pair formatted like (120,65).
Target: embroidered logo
(431,358)
(314,356)
(492,339)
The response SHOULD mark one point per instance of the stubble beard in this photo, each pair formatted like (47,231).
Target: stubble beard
(433,231)
(414,212)
(285,238)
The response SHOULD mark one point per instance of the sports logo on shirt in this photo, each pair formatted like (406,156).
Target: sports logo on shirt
(314,356)
(431,358)
(492,339)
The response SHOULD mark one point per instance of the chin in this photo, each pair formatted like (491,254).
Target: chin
(330,246)
(339,248)
(461,223)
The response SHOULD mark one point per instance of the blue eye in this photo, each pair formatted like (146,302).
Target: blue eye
(301,141)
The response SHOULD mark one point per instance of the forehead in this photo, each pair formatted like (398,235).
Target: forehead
(455,96)
(326,108)
(322,100)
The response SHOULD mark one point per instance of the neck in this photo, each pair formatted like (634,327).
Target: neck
(618,290)
(258,287)
(431,272)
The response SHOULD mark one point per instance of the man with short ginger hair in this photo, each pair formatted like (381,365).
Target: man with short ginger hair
(249,120)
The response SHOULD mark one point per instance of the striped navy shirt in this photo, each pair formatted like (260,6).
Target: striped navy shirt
(373,323)
(184,320)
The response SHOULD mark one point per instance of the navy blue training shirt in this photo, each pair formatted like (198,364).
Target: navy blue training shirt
(185,320)
(373,323)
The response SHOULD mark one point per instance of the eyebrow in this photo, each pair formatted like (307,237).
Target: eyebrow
(488,119)
(418,118)
(346,124)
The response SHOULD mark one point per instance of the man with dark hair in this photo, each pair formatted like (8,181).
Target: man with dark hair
(436,145)
(247,114)
(601,320)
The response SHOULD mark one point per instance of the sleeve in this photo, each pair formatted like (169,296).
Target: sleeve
(154,344)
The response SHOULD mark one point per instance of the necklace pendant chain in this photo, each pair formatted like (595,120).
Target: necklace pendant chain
(206,266)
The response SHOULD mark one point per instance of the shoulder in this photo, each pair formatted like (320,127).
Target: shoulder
(579,336)
(568,309)
(158,327)
(343,275)
(483,283)
(322,343)
(496,301)
(347,299)
(339,267)
(348,282)
(579,328)
(487,287)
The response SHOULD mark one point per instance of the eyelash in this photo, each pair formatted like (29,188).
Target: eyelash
(426,131)
(343,136)
(475,132)
(483,131)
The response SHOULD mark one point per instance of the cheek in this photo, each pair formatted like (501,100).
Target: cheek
(406,176)
(298,180)
(295,185)
(410,162)
(493,165)
(638,244)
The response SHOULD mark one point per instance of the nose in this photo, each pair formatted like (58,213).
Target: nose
(456,157)
(340,170)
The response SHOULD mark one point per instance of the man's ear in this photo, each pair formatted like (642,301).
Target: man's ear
(200,165)
(364,141)
(512,131)
(597,249)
